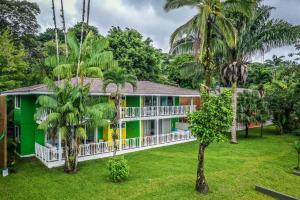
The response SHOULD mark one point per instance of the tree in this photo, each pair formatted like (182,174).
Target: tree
(209,124)
(135,54)
(72,109)
(297,148)
(118,77)
(19,17)
(81,40)
(258,74)
(55,28)
(262,114)
(275,63)
(64,25)
(12,65)
(247,109)
(88,12)
(76,29)
(256,32)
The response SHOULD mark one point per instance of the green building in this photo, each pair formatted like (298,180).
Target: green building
(153,115)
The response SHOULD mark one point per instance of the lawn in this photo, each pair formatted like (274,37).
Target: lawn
(169,173)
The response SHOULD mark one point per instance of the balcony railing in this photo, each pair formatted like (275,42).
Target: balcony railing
(152,111)
(54,157)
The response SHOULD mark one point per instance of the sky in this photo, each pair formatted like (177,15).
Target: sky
(149,17)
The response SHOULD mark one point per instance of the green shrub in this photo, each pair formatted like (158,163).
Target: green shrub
(118,169)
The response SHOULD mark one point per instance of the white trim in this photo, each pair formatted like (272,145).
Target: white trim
(15,100)
(25,156)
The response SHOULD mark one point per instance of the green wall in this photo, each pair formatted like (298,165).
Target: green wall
(24,118)
(100,133)
(133,101)
(132,129)
(174,120)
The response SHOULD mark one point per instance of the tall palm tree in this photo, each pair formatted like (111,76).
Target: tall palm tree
(202,33)
(255,33)
(119,77)
(81,39)
(72,109)
(56,34)
(64,25)
(88,12)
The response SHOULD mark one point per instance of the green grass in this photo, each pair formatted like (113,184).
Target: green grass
(169,173)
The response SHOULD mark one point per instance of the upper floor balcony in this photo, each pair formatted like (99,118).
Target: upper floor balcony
(154,112)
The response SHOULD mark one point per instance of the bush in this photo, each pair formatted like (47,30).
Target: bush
(118,169)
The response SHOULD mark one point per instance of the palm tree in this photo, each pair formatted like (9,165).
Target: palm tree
(81,40)
(255,33)
(247,109)
(118,77)
(56,34)
(88,12)
(94,57)
(64,25)
(71,110)
(202,33)
(275,63)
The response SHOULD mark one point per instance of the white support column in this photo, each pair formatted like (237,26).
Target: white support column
(120,135)
(96,135)
(157,131)
(59,146)
(140,138)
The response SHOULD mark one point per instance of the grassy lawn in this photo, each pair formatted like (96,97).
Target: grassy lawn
(169,173)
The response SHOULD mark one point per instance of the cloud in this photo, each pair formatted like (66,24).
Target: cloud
(147,16)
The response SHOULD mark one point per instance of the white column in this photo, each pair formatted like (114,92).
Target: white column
(59,146)
(157,105)
(157,131)
(120,135)
(140,138)
(96,135)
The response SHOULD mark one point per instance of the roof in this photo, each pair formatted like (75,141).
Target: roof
(144,88)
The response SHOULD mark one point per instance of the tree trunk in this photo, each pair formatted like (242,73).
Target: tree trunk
(88,12)
(56,35)
(71,153)
(81,41)
(247,131)
(64,26)
(117,117)
(201,184)
(234,109)
(261,129)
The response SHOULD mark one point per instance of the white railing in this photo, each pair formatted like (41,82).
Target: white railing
(51,154)
(150,111)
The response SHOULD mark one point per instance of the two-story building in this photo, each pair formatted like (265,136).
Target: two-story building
(151,116)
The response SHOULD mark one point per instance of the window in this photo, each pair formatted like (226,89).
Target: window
(17,134)
(17,101)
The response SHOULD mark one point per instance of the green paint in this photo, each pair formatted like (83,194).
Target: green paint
(173,123)
(132,129)
(133,101)
(100,133)
(163,101)
(24,118)
(176,101)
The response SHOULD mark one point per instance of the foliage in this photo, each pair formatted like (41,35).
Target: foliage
(19,17)
(283,98)
(49,35)
(135,54)
(11,154)
(259,73)
(76,29)
(119,77)
(12,65)
(213,119)
(118,169)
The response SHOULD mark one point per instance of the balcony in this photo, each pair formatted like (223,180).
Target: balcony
(150,112)
(54,157)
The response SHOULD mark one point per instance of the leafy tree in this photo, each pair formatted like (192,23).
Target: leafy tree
(49,35)
(248,109)
(76,29)
(72,109)
(119,77)
(259,74)
(19,17)
(138,56)
(275,63)
(209,124)
(12,65)
(262,115)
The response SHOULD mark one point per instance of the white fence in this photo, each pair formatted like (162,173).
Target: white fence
(49,155)
(150,111)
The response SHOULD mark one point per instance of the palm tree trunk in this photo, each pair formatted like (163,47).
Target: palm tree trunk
(71,153)
(55,28)
(234,109)
(81,40)
(116,120)
(88,13)
(201,184)
(64,26)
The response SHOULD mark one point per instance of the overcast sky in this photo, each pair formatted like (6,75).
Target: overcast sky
(148,17)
